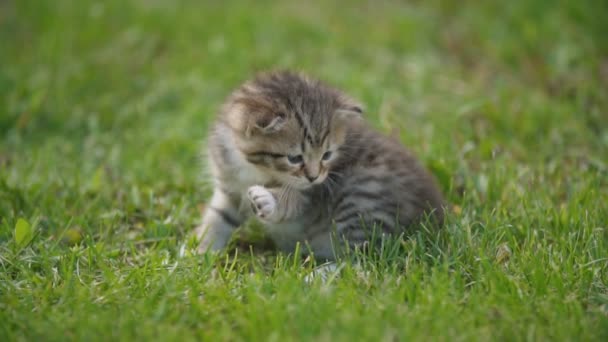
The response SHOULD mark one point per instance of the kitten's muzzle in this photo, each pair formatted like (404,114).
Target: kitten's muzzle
(312,172)
(312,178)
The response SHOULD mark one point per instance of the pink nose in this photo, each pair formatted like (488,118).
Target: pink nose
(311,178)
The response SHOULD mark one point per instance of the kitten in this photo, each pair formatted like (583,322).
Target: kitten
(297,154)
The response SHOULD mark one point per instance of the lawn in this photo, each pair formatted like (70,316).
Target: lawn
(104,107)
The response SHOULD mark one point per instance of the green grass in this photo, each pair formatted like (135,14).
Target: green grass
(103,106)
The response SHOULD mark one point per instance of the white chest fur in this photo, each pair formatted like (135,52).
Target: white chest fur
(237,175)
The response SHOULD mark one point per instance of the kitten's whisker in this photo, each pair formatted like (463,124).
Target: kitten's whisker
(330,183)
(336,173)
(284,192)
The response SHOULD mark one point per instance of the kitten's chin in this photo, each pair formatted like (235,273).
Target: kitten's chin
(300,185)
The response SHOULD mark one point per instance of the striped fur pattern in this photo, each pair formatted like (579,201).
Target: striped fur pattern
(297,154)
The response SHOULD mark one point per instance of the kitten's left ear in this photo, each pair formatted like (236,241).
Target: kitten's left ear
(349,112)
(355,108)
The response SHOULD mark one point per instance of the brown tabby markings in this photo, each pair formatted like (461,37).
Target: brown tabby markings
(297,154)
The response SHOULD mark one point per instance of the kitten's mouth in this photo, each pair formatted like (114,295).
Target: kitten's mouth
(301,183)
(306,184)
(319,180)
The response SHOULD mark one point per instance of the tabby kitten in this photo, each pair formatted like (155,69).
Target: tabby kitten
(297,154)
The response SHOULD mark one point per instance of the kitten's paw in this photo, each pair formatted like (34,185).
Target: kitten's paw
(326,273)
(263,203)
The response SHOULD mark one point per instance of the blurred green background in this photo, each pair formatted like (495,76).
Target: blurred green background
(104,107)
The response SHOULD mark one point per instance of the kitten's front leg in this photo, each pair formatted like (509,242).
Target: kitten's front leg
(220,218)
(267,207)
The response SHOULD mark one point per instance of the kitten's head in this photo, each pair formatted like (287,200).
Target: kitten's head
(290,126)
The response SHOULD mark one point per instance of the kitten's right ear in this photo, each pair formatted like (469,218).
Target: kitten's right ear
(270,122)
(267,122)
(250,118)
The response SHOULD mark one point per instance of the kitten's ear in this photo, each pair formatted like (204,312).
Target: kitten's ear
(355,108)
(349,112)
(344,117)
(267,122)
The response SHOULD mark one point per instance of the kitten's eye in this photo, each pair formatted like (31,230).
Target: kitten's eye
(295,159)
(326,155)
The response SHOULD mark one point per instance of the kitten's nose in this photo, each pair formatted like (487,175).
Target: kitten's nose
(312,178)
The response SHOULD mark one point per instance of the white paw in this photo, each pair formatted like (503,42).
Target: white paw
(326,273)
(263,203)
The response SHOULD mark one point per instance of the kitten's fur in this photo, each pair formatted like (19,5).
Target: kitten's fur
(324,201)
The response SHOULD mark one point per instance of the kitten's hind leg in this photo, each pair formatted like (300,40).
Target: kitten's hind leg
(220,219)
(326,272)
(358,233)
